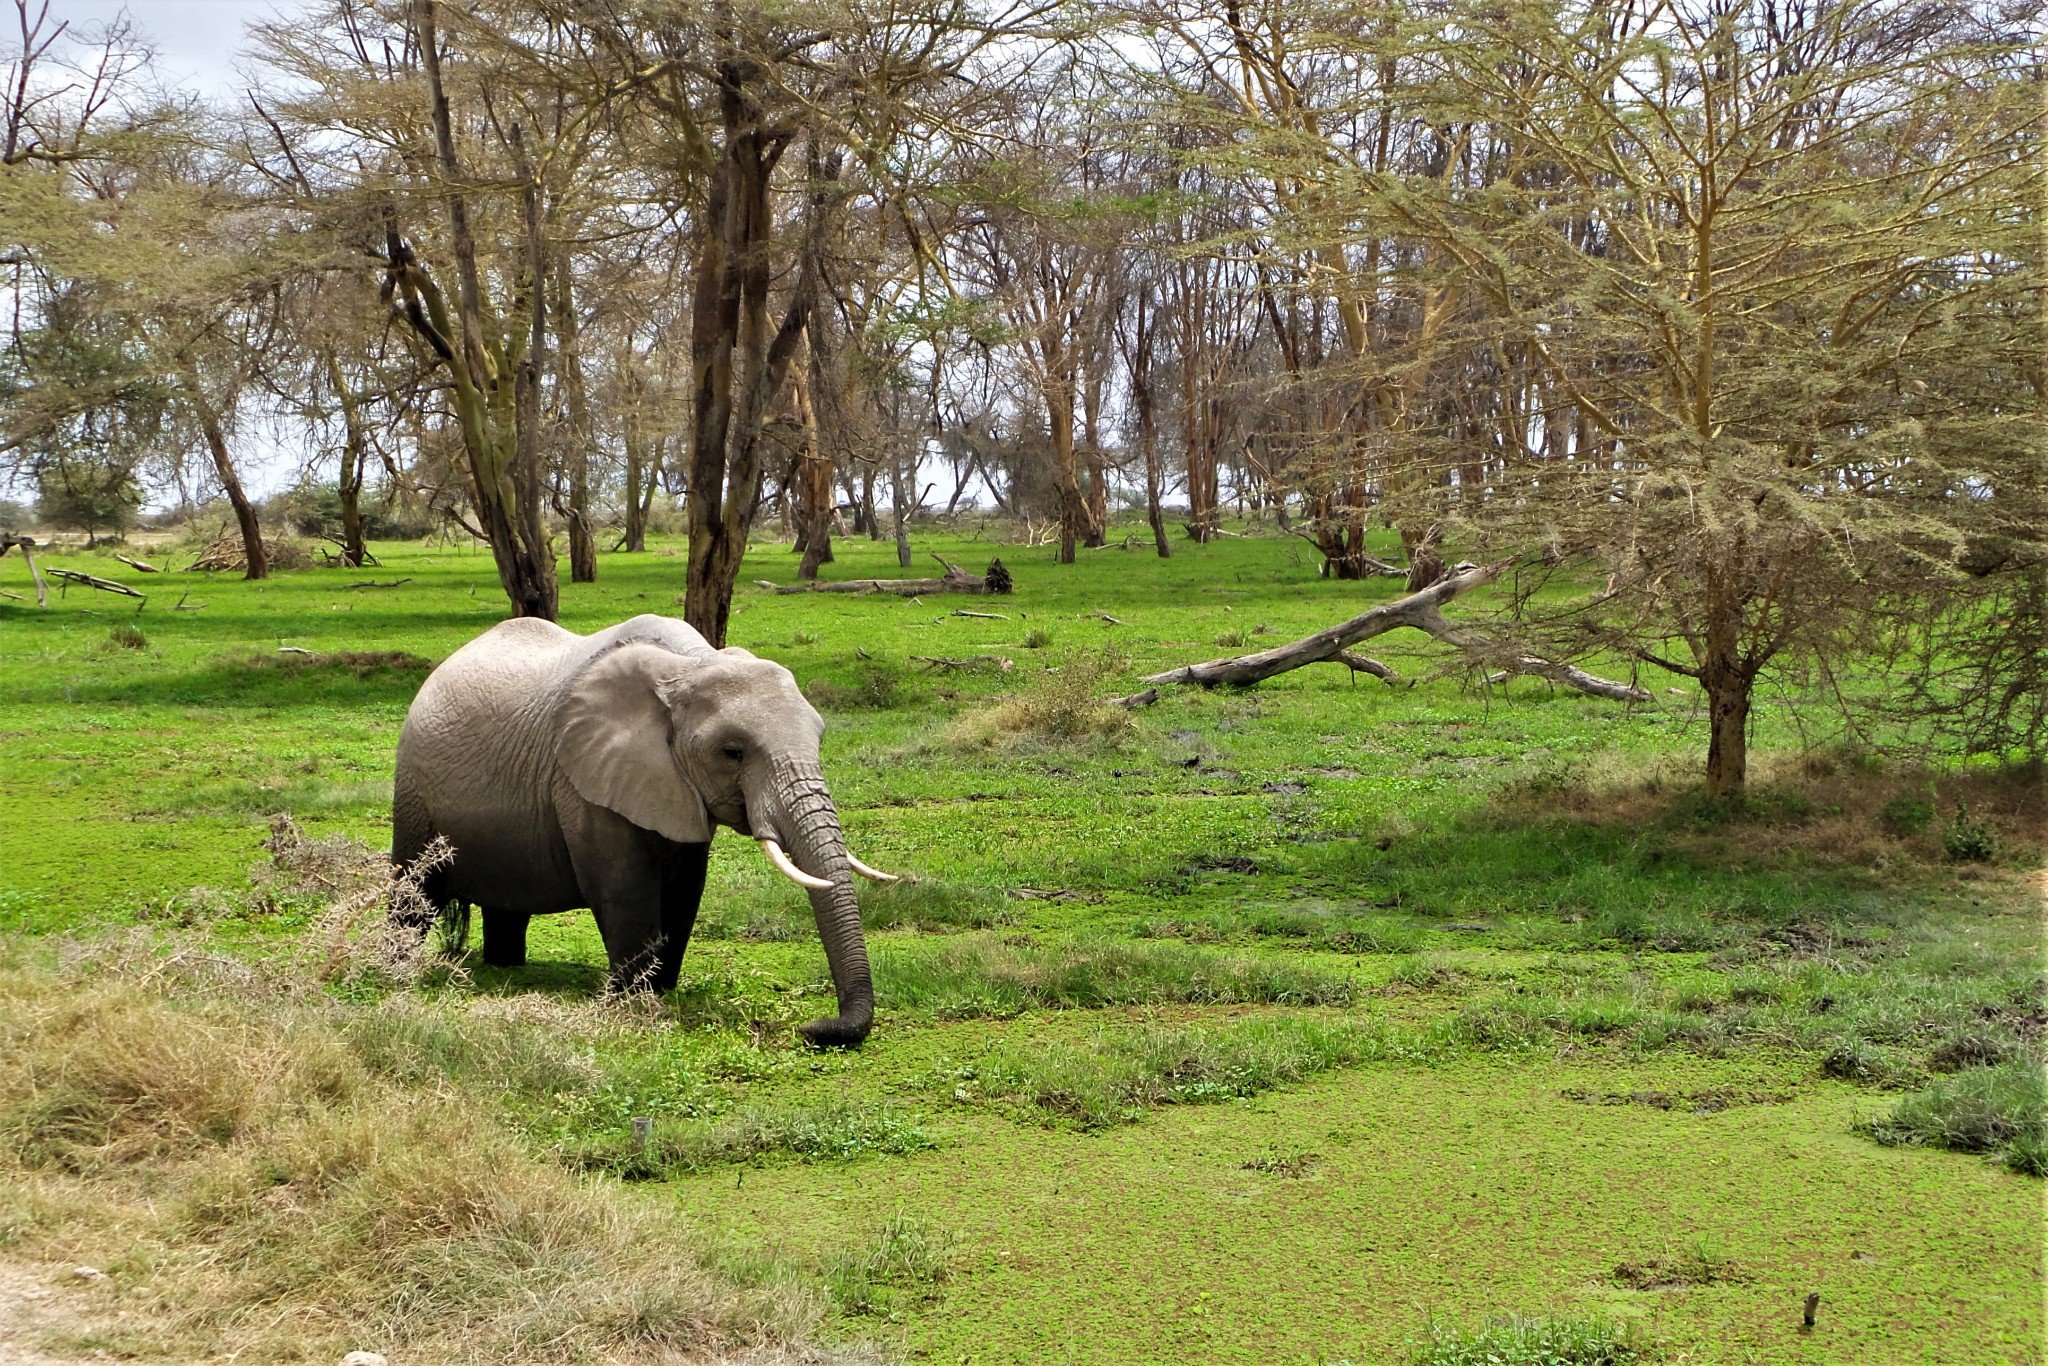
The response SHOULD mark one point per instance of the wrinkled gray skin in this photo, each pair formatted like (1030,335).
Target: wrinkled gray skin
(573,771)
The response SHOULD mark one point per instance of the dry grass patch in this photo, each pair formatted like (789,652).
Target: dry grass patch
(252,1184)
(1829,807)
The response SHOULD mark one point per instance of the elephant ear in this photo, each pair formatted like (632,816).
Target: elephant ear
(612,740)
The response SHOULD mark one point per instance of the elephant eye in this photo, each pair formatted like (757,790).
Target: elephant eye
(734,752)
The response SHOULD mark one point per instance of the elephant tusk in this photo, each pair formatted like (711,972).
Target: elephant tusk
(872,874)
(789,869)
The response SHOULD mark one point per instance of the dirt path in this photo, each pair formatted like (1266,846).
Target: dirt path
(34,1301)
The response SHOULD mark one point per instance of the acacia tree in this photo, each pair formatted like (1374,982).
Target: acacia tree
(435,146)
(134,269)
(1733,236)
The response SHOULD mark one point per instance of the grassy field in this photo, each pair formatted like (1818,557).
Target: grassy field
(1325,1022)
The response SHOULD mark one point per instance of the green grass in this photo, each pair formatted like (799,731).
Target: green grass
(1118,1075)
(828,1131)
(1195,1020)
(983,977)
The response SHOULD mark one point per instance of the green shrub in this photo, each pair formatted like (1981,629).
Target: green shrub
(127,638)
(1531,1342)
(1969,1048)
(1860,1060)
(2002,1109)
(1967,840)
(1906,815)
(1037,638)
(877,686)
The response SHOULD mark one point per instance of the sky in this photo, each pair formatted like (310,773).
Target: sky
(196,41)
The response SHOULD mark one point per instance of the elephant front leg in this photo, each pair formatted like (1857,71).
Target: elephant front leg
(620,870)
(682,892)
(505,938)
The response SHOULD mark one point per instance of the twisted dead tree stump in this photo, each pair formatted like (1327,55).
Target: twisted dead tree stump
(8,541)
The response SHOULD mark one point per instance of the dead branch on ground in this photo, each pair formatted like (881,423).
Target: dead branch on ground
(67,577)
(1419,611)
(956,580)
(973,663)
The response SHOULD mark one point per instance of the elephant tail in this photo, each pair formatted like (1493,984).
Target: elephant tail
(412,834)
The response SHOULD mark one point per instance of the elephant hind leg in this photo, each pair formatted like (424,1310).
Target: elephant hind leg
(505,938)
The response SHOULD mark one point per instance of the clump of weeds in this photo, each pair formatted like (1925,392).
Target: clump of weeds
(878,685)
(904,1263)
(1969,840)
(2001,1109)
(1061,706)
(1292,1163)
(1698,1261)
(1518,1341)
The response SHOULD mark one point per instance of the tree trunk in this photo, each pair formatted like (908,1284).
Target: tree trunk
(899,503)
(1727,678)
(354,457)
(569,364)
(1728,731)
(257,557)
(900,489)
(499,425)
(1059,407)
(1095,505)
(639,484)
(739,365)
(813,482)
(1143,331)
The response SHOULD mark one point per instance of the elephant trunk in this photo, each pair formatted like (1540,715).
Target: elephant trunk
(810,823)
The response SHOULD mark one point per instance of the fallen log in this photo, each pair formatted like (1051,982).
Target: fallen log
(139,565)
(1420,611)
(367,583)
(956,580)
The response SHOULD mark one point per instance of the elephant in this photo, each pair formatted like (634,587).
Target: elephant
(570,771)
